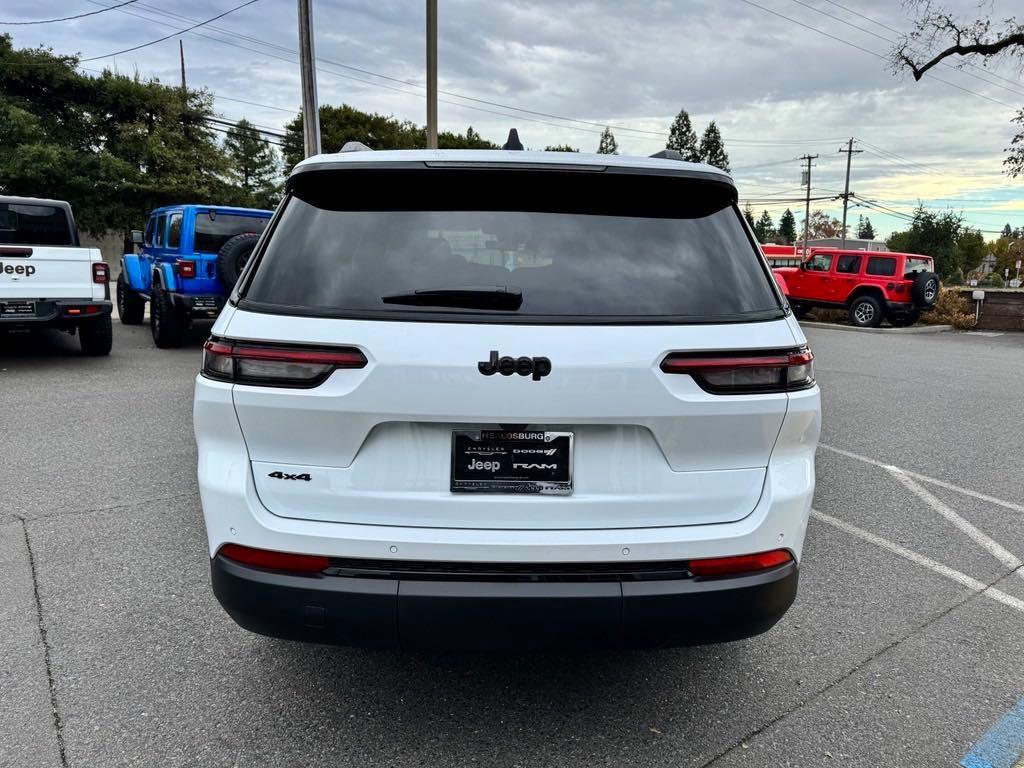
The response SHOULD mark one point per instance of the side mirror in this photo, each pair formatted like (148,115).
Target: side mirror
(137,236)
(803,265)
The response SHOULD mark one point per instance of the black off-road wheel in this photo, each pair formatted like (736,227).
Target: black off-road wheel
(865,312)
(96,336)
(233,256)
(130,306)
(165,322)
(925,290)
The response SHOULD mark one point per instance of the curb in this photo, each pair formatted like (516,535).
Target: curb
(914,329)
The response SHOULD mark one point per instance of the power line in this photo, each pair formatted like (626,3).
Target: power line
(173,34)
(66,18)
(945,64)
(868,51)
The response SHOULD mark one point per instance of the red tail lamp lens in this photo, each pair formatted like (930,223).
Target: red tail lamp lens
(733,566)
(278,366)
(745,373)
(100,272)
(277,561)
(186,268)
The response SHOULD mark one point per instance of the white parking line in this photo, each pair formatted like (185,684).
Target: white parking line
(926,479)
(943,570)
(996,549)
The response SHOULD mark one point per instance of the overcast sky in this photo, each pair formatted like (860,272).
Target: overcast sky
(777,89)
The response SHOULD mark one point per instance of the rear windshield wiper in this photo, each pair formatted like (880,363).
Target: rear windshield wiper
(466,296)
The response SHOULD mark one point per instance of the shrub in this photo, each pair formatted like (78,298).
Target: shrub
(951,308)
(994,279)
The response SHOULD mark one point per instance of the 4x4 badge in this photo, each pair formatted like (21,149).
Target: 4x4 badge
(506,366)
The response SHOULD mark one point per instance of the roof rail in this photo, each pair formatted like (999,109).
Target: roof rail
(513,141)
(355,146)
(668,154)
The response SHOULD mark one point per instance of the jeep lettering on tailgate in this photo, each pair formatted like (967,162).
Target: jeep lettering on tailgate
(506,366)
(17,269)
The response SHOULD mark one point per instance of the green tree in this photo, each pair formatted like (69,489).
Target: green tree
(787,228)
(682,137)
(748,214)
(560,148)
(608,145)
(114,146)
(1007,230)
(764,229)
(254,165)
(943,236)
(864,229)
(712,149)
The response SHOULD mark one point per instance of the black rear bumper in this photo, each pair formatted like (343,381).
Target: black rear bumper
(53,312)
(198,307)
(482,615)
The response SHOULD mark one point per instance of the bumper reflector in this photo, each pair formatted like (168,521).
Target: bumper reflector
(732,566)
(277,561)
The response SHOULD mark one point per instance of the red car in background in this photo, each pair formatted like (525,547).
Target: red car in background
(869,285)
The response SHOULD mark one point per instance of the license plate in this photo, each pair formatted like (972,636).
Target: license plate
(498,461)
(18,309)
(204,302)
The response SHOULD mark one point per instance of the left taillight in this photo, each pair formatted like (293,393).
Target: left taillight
(100,272)
(275,366)
(186,268)
(747,372)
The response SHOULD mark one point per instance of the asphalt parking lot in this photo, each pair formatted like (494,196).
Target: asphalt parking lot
(905,645)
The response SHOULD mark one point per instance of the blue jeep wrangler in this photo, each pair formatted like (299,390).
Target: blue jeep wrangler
(189,260)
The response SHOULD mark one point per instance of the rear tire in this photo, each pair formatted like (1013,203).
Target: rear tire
(233,256)
(925,290)
(130,307)
(865,312)
(165,322)
(96,336)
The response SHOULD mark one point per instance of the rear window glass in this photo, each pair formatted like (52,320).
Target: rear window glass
(918,265)
(575,246)
(213,229)
(883,266)
(22,224)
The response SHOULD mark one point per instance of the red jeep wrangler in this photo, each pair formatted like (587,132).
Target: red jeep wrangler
(870,285)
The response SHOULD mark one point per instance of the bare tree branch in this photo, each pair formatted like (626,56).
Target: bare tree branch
(959,49)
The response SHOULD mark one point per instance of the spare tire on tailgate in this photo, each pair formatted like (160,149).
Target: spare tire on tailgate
(925,290)
(233,256)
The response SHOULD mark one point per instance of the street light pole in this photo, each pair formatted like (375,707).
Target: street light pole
(307,70)
(807,209)
(850,152)
(431,74)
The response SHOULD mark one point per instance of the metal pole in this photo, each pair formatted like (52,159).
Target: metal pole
(431,74)
(181,51)
(307,69)
(850,152)
(807,209)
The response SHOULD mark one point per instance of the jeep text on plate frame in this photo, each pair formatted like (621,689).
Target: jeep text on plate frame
(512,461)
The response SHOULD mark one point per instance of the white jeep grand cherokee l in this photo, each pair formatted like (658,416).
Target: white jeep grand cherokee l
(492,399)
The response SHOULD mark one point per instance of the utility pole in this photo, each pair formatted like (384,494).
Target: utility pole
(807,209)
(431,74)
(307,69)
(850,152)
(181,51)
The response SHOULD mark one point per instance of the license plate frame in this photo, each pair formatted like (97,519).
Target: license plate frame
(536,462)
(20,309)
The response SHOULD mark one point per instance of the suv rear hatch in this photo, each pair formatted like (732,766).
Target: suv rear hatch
(604,274)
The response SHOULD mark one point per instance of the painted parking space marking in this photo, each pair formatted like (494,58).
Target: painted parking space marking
(915,557)
(925,479)
(1002,746)
(997,550)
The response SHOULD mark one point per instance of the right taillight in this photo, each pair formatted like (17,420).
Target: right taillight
(275,366)
(746,372)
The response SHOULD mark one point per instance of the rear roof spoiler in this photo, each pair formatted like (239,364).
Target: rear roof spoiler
(668,154)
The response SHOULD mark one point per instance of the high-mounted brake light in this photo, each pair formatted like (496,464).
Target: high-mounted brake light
(186,268)
(100,272)
(275,366)
(278,561)
(733,566)
(747,372)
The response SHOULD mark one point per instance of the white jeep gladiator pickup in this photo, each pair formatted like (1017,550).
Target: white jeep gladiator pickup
(47,280)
